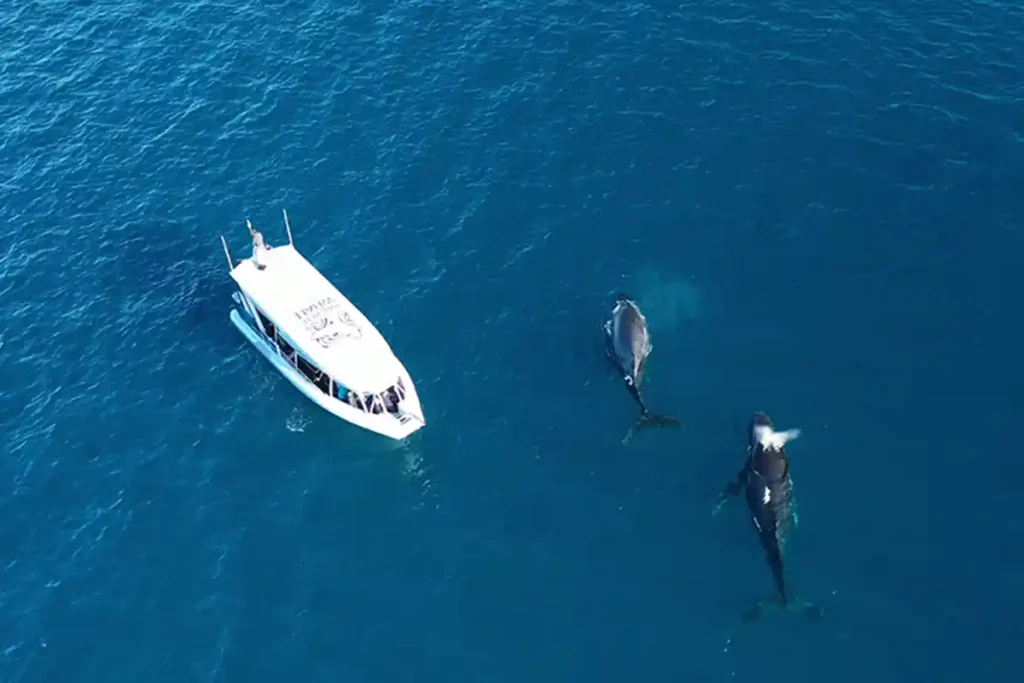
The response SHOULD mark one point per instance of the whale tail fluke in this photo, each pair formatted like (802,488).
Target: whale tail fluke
(648,420)
(810,610)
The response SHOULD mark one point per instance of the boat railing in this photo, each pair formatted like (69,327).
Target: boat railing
(227,253)
(287,227)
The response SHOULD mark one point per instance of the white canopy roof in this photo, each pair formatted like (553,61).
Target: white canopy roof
(318,320)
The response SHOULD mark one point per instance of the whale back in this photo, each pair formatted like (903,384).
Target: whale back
(630,338)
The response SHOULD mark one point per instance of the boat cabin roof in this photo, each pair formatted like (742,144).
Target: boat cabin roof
(317,319)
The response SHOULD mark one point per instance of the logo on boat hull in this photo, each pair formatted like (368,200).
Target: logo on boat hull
(328,323)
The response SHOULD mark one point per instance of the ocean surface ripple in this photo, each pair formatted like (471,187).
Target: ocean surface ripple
(818,205)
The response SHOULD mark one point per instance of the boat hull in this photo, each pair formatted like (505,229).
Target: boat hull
(384,424)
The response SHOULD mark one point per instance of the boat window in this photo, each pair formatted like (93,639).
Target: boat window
(355,400)
(315,375)
(374,404)
(399,389)
(323,382)
(286,349)
(391,400)
(343,393)
(267,325)
(306,368)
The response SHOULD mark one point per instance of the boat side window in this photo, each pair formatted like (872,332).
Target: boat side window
(392,396)
(343,393)
(311,372)
(391,400)
(323,382)
(267,325)
(374,404)
(286,349)
(355,400)
(318,377)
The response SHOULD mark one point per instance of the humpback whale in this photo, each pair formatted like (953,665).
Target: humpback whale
(628,344)
(768,490)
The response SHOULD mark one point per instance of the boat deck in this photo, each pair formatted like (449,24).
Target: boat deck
(318,319)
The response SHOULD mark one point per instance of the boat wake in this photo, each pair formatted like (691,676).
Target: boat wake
(297,421)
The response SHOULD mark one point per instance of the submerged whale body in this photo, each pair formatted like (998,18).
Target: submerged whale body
(628,344)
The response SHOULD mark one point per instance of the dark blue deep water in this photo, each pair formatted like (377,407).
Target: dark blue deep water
(817,204)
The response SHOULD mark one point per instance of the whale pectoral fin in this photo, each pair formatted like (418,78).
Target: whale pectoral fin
(769,438)
(609,346)
(790,434)
(733,487)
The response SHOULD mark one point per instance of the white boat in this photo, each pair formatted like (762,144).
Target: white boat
(320,341)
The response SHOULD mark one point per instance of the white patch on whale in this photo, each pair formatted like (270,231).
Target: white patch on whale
(767,497)
(773,440)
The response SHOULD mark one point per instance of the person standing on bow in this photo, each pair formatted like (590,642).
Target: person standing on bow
(258,245)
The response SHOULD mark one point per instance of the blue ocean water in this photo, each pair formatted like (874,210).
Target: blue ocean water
(816,204)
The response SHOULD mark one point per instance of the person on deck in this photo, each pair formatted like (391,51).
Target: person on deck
(258,245)
(391,401)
